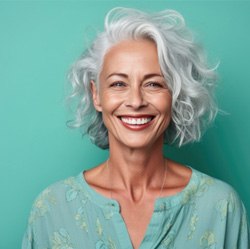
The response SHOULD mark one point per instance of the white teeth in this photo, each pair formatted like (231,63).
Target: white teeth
(136,121)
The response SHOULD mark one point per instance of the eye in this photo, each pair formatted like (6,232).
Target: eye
(118,84)
(154,84)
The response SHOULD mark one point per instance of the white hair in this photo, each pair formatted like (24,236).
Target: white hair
(183,64)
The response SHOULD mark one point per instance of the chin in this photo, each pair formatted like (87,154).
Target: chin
(140,144)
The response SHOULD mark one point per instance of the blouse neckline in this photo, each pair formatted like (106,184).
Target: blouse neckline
(161,203)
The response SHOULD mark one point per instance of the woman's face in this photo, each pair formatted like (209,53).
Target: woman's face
(133,96)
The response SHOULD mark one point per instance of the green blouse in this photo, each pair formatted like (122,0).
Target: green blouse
(206,214)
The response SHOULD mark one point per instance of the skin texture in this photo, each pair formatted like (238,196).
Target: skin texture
(132,86)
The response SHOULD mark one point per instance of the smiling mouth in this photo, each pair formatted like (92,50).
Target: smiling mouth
(136,122)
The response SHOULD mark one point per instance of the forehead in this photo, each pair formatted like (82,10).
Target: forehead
(131,55)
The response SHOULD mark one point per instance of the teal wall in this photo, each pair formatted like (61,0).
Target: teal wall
(39,41)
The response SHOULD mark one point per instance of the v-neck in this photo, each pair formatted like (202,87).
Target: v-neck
(162,207)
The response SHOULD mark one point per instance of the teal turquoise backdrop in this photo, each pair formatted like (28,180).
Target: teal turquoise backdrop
(39,40)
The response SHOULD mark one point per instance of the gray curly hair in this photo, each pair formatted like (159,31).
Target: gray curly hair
(183,64)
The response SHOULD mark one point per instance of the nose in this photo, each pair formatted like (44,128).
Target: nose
(136,98)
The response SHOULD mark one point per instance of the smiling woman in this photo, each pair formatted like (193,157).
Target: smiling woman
(143,82)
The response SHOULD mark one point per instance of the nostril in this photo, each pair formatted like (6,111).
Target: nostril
(136,99)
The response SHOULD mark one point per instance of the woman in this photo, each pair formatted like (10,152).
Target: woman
(143,82)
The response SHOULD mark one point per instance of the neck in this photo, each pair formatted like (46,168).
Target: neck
(136,171)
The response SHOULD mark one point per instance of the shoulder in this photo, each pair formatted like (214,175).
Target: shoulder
(214,186)
(55,196)
(200,184)
(213,192)
(58,188)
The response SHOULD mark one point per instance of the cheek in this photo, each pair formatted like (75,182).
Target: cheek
(162,103)
(110,102)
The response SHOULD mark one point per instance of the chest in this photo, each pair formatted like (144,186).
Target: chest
(137,219)
(178,228)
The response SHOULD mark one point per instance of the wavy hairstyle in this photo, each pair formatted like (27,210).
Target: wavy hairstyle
(183,64)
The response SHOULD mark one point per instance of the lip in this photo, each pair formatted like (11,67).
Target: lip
(136,127)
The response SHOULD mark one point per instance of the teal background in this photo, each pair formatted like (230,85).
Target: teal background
(39,41)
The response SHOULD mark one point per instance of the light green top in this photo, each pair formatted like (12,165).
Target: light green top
(206,214)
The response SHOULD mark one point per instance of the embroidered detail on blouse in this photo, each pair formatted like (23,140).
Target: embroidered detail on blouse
(197,190)
(111,244)
(208,240)
(61,240)
(226,205)
(100,245)
(99,228)
(42,205)
(206,181)
(193,224)
(74,190)
(81,219)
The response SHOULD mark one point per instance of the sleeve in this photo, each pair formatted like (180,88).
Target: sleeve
(37,232)
(243,240)
(238,236)
(28,239)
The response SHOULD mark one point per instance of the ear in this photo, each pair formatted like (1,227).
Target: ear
(95,96)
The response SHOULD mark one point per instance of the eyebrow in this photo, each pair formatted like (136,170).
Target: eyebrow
(147,76)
